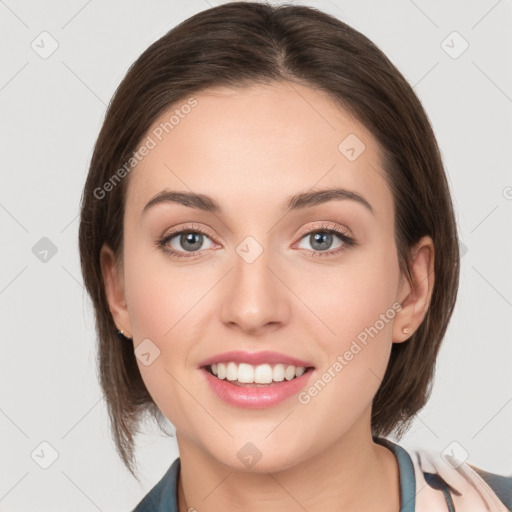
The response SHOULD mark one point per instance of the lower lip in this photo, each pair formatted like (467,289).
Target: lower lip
(256,397)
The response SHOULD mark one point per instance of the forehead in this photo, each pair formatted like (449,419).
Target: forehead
(259,142)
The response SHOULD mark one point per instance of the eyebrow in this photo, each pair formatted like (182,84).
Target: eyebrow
(295,202)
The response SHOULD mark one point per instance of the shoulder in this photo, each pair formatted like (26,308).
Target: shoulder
(500,484)
(469,487)
(162,497)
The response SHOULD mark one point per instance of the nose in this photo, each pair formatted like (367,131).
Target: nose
(255,298)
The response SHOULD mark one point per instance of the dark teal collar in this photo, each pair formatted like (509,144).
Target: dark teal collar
(163,497)
(407,476)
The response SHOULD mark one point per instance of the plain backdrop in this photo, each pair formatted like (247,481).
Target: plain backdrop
(52,107)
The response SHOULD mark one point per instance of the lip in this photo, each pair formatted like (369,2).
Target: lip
(256,397)
(254,358)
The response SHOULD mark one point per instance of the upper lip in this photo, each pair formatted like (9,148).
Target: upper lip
(254,358)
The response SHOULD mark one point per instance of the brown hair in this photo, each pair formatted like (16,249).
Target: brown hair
(239,44)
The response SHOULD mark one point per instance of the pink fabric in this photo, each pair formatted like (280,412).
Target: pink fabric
(475,494)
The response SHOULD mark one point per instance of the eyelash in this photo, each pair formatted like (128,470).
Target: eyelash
(330,229)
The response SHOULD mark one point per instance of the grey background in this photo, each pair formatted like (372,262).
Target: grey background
(52,109)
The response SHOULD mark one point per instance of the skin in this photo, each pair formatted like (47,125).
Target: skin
(251,149)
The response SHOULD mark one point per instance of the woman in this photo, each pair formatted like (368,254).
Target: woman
(269,242)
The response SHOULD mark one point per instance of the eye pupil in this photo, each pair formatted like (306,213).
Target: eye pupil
(320,238)
(189,237)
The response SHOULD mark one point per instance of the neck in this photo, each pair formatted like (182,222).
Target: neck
(353,474)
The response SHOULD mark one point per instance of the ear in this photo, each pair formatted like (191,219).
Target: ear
(415,297)
(113,279)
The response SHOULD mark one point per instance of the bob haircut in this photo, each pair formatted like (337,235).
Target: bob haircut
(240,44)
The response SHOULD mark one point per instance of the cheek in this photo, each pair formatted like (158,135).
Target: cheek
(356,295)
(359,311)
(165,307)
(356,304)
(159,294)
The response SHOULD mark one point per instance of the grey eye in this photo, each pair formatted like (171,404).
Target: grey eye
(189,241)
(321,240)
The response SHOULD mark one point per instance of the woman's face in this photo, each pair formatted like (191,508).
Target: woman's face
(263,277)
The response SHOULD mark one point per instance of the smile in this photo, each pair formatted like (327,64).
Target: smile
(245,374)
(252,394)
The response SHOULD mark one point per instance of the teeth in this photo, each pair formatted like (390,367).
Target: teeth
(261,374)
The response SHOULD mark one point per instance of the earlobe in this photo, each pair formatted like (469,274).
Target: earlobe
(416,295)
(114,289)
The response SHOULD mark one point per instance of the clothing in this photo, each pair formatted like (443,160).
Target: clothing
(427,484)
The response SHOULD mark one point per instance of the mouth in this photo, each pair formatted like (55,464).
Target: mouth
(264,375)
